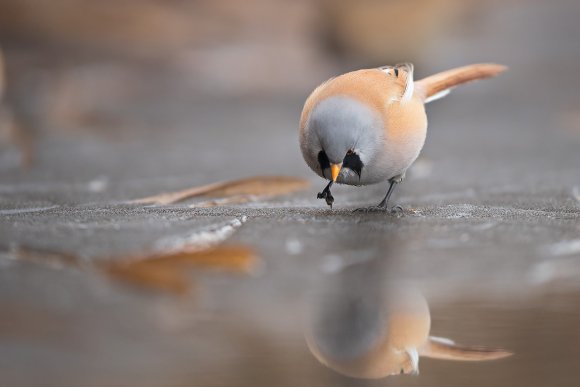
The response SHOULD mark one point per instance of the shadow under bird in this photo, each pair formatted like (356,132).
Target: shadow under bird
(369,126)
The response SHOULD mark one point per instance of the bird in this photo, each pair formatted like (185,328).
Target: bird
(369,126)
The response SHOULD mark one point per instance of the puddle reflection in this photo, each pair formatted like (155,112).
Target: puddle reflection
(363,326)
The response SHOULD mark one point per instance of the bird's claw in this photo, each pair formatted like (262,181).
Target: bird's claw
(371,209)
(327,196)
(396,210)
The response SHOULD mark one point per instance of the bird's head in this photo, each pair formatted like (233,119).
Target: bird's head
(344,138)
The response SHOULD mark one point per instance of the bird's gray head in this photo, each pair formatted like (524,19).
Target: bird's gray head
(345,135)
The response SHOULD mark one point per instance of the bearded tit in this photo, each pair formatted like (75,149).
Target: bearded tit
(368,126)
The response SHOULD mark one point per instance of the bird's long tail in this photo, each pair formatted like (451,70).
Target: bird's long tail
(445,349)
(438,85)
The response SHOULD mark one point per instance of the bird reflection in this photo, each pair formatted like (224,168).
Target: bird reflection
(362,326)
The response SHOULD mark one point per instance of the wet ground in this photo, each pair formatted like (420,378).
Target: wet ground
(490,231)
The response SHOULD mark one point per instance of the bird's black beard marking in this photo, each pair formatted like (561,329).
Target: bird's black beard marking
(353,162)
(323,161)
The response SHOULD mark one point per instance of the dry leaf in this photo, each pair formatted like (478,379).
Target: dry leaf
(239,191)
(234,258)
(239,199)
(158,271)
(158,277)
(50,258)
(167,271)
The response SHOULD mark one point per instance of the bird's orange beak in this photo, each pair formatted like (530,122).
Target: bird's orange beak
(335,170)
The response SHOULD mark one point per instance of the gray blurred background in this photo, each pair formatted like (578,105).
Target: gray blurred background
(106,101)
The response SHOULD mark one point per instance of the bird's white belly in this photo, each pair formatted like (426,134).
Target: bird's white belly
(396,158)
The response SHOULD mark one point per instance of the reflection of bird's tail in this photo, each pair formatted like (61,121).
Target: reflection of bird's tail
(445,349)
(438,85)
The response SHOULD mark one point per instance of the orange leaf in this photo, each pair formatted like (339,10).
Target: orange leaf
(166,271)
(249,189)
(158,277)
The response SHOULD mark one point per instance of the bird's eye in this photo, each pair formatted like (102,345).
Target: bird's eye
(323,161)
(402,371)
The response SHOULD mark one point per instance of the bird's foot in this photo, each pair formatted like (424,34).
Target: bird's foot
(327,196)
(371,209)
(396,210)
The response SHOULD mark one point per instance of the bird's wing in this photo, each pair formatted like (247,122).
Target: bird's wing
(409,82)
(445,349)
(404,70)
(438,85)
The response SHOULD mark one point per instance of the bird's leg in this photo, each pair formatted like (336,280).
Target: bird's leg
(385,202)
(326,195)
(383,205)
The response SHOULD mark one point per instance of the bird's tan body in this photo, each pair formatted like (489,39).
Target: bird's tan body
(404,125)
(399,121)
